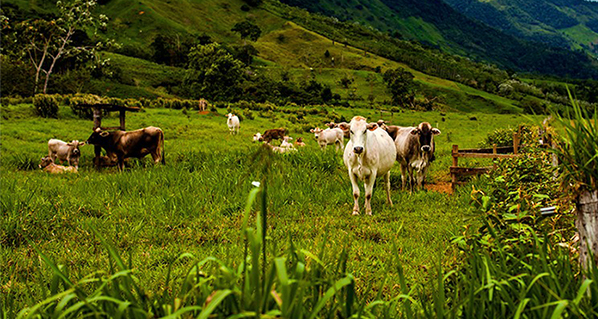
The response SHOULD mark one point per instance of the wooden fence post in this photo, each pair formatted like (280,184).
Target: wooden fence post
(97,123)
(455,164)
(516,142)
(122,119)
(587,226)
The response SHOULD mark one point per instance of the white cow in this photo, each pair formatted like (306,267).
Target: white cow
(233,123)
(370,153)
(285,142)
(64,151)
(415,151)
(329,136)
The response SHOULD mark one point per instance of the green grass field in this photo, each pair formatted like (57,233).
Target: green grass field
(194,203)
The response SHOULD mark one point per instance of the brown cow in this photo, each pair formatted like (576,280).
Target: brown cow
(415,152)
(274,134)
(138,143)
(47,164)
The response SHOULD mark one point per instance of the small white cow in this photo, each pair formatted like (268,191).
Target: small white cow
(63,151)
(233,123)
(329,136)
(47,164)
(369,153)
(285,142)
(415,151)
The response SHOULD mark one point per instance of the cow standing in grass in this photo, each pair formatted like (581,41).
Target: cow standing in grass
(138,143)
(415,152)
(233,124)
(329,136)
(369,153)
(65,152)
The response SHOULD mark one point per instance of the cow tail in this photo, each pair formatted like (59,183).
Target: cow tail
(161,142)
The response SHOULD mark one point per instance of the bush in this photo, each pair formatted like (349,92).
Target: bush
(248,114)
(500,137)
(45,105)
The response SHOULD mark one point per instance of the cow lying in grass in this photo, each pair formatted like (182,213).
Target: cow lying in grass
(47,164)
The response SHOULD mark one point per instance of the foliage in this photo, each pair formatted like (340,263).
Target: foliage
(19,73)
(45,105)
(45,43)
(247,30)
(399,83)
(500,137)
(579,152)
(213,73)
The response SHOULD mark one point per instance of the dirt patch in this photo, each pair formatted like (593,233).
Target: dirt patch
(440,187)
(204,112)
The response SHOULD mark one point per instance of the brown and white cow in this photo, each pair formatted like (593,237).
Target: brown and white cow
(370,153)
(65,152)
(47,164)
(138,143)
(329,136)
(415,152)
(274,134)
(299,142)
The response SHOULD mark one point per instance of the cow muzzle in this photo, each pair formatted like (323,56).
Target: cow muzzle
(358,150)
(426,148)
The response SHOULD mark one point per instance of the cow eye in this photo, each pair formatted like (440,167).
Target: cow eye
(351,132)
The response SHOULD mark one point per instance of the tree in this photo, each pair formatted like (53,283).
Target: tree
(213,73)
(401,86)
(247,29)
(44,43)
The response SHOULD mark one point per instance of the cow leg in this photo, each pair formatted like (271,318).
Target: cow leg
(404,172)
(121,163)
(355,192)
(369,188)
(156,157)
(387,183)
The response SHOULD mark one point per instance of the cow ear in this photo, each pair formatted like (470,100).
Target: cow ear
(435,131)
(372,126)
(104,134)
(415,131)
(82,143)
(344,126)
(311,131)
(69,144)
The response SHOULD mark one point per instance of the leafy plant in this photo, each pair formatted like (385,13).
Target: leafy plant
(45,105)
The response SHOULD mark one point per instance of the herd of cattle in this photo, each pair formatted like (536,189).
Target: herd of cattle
(371,150)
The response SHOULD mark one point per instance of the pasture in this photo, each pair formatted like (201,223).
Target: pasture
(194,203)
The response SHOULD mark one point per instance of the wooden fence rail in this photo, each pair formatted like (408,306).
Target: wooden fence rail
(494,153)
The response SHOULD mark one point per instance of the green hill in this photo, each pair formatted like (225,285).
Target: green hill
(293,44)
(568,24)
(437,24)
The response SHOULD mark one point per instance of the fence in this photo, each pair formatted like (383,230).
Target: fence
(494,153)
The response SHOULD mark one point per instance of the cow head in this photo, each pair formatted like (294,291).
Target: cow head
(45,161)
(358,129)
(299,140)
(98,137)
(74,145)
(331,125)
(257,137)
(230,115)
(317,131)
(382,124)
(426,133)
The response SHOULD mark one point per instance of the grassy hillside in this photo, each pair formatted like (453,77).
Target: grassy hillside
(437,24)
(570,24)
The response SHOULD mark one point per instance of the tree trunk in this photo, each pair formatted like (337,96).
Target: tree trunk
(587,226)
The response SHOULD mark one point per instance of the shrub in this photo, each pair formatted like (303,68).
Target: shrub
(500,137)
(45,105)
(248,114)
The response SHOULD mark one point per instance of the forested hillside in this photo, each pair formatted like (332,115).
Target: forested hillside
(567,24)
(437,24)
